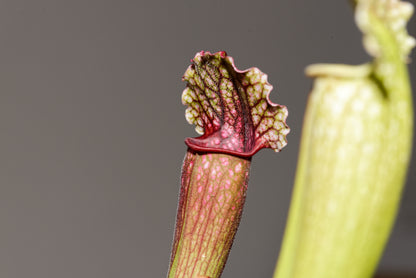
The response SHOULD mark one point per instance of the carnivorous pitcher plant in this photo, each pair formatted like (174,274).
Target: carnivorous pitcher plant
(232,111)
(354,154)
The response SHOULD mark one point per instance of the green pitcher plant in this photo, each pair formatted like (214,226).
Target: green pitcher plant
(232,111)
(354,154)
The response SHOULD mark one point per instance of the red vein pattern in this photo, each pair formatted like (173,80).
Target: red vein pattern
(232,110)
(212,197)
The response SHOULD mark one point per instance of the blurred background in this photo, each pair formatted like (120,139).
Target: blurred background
(92,128)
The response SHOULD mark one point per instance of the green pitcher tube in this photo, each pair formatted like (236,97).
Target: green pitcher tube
(354,154)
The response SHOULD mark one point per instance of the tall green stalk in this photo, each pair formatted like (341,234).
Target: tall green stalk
(354,154)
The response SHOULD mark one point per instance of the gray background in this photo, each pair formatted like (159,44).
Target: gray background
(92,128)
